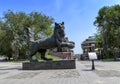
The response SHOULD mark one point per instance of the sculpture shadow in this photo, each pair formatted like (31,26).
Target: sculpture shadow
(87,70)
(11,68)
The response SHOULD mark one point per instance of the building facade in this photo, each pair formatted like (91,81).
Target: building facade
(89,45)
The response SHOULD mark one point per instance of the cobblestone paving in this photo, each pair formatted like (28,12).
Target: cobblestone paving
(105,73)
(2,73)
(23,75)
(66,74)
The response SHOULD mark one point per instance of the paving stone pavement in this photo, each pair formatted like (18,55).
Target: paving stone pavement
(105,73)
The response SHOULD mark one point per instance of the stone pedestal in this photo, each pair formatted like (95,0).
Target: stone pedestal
(63,55)
(61,64)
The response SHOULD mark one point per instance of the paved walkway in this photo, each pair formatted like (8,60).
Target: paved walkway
(105,73)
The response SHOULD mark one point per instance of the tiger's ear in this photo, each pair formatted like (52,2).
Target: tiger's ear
(62,23)
(55,23)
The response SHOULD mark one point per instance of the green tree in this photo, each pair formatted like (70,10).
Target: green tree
(5,41)
(108,27)
(12,30)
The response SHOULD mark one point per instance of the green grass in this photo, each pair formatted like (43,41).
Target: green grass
(36,57)
(20,60)
(53,57)
(108,59)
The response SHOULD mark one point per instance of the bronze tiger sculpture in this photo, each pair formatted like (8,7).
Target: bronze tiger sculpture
(54,41)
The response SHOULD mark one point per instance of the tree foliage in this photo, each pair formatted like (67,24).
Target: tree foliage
(13,41)
(108,29)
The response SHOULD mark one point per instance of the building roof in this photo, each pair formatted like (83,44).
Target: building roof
(90,39)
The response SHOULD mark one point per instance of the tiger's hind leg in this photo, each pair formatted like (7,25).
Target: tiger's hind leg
(31,59)
(42,52)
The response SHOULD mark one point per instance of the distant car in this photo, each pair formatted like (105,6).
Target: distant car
(3,59)
(77,56)
(117,57)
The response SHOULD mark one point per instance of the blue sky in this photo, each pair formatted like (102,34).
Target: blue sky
(78,15)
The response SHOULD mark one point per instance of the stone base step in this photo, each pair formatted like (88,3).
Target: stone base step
(60,64)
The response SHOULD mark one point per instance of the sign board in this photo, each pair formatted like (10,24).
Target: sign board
(92,55)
